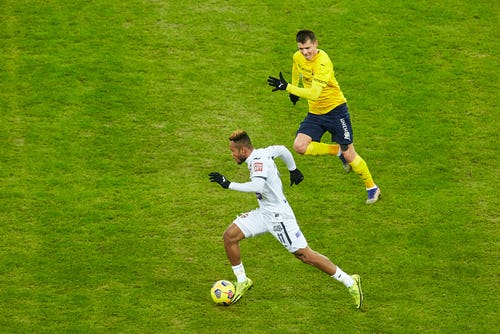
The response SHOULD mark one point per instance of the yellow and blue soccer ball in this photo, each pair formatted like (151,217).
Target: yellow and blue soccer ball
(222,292)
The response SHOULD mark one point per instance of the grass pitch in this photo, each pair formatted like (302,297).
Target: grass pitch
(113,113)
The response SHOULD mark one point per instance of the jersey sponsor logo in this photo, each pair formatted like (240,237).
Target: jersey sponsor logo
(277,228)
(258,167)
(321,81)
(304,69)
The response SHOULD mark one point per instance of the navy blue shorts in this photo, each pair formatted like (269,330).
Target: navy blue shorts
(337,122)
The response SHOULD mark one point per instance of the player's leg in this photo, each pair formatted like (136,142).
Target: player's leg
(246,225)
(323,263)
(308,138)
(304,144)
(232,236)
(301,142)
(315,259)
(339,125)
(287,231)
(359,166)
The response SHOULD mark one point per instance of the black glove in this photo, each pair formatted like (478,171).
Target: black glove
(294,98)
(278,84)
(295,177)
(220,179)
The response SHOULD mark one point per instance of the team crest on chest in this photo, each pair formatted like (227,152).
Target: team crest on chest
(258,167)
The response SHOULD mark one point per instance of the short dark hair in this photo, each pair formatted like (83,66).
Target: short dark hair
(305,35)
(241,138)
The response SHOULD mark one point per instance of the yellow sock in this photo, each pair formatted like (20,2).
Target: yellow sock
(317,148)
(361,168)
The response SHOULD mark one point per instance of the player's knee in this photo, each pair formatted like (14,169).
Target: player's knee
(348,152)
(299,147)
(227,236)
(299,256)
(232,234)
(302,255)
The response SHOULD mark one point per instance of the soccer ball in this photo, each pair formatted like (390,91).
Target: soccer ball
(222,292)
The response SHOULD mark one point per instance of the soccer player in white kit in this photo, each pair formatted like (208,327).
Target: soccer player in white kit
(274,215)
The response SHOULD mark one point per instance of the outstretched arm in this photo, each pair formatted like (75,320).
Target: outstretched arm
(308,93)
(256,185)
(311,93)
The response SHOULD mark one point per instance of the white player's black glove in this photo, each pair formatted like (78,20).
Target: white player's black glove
(220,179)
(295,177)
(278,84)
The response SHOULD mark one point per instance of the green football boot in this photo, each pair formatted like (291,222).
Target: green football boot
(241,288)
(356,292)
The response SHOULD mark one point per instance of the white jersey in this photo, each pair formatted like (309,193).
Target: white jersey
(262,167)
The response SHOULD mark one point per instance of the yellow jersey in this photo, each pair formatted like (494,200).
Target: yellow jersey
(320,87)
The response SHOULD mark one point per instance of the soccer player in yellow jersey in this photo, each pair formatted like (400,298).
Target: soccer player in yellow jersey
(327,109)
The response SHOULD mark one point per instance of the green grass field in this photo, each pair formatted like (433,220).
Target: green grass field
(112,113)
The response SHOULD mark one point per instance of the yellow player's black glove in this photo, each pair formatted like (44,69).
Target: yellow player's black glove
(294,98)
(278,84)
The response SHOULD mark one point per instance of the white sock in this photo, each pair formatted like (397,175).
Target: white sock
(343,277)
(239,272)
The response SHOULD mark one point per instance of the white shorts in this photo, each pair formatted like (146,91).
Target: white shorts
(283,227)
